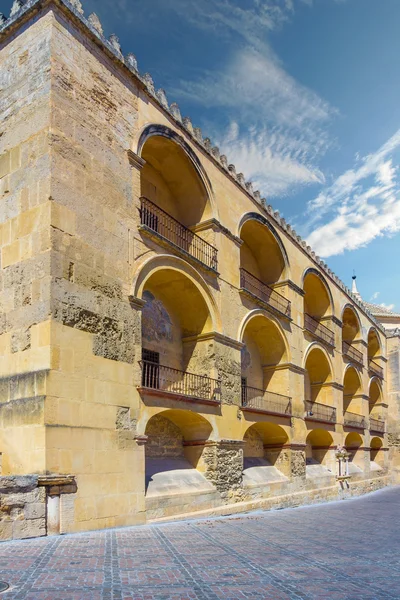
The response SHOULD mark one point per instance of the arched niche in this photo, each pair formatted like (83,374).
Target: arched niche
(173,177)
(375,397)
(318,373)
(266,460)
(318,444)
(354,446)
(262,253)
(172,463)
(318,300)
(351,328)
(377,455)
(374,344)
(352,387)
(265,347)
(174,315)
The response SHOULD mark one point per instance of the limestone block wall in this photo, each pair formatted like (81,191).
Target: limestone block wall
(25,209)
(22,508)
(77,268)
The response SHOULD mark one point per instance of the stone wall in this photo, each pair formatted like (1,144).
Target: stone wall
(22,508)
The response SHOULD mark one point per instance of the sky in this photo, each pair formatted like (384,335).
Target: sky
(302,96)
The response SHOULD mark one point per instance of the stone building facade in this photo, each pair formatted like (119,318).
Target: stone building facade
(169,345)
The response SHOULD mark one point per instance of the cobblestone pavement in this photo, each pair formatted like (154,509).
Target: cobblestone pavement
(341,551)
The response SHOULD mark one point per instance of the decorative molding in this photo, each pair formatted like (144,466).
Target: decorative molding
(135,161)
(215,225)
(216,337)
(141,440)
(283,366)
(290,284)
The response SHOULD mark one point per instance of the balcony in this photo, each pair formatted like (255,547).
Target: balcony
(353,420)
(320,412)
(376,369)
(165,381)
(255,399)
(377,425)
(352,353)
(154,219)
(318,330)
(261,291)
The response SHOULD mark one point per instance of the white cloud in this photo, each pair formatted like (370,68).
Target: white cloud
(374,296)
(363,204)
(277,129)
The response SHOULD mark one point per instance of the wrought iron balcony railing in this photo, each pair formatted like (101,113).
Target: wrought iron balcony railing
(353,420)
(180,383)
(377,425)
(320,412)
(264,401)
(264,293)
(319,330)
(376,369)
(154,218)
(352,353)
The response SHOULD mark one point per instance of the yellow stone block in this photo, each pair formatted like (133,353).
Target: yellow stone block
(10,254)
(63,218)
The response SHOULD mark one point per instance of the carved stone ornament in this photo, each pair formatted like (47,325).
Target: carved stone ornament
(95,23)
(131,62)
(77,5)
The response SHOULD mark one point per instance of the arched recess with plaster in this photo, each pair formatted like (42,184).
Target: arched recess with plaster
(173,178)
(178,313)
(319,454)
(375,398)
(377,454)
(265,380)
(354,445)
(262,254)
(318,380)
(351,328)
(318,299)
(174,453)
(266,456)
(352,391)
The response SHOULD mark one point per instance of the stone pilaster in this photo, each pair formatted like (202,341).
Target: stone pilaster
(223,464)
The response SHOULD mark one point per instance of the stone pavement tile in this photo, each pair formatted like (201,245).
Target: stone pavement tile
(233,575)
(64,595)
(176,593)
(162,562)
(79,562)
(72,579)
(260,592)
(305,571)
(214,561)
(153,577)
(337,590)
(19,563)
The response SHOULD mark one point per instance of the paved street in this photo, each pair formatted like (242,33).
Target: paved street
(344,550)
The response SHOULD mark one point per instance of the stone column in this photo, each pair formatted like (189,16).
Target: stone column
(298,461)
(222,463)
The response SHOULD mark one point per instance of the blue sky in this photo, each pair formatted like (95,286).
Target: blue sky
(303,96)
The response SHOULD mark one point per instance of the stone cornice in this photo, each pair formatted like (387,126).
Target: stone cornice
(136,161)
(290,284)
(216,337)
(215,225)
(93,29)
(283,367)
